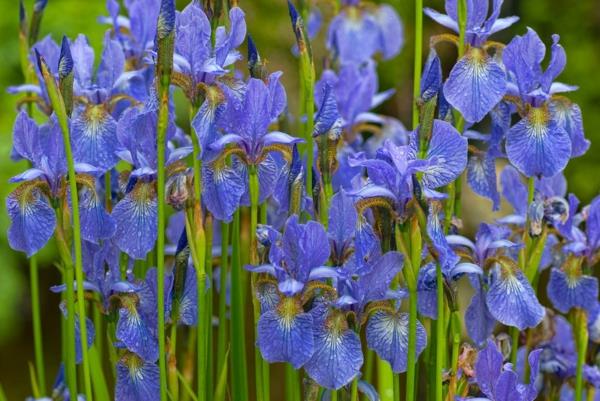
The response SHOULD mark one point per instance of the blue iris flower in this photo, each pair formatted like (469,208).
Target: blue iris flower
(358,32)
(550,131)
(477,82)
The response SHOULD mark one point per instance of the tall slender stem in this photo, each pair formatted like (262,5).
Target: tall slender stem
(439,335)
(37,324)
(222,337)
(581,342)
(239,365)
(418,60)
(292,384)
(163,116)
(60,111)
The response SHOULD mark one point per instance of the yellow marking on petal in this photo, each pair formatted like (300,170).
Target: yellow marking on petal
(288,309)
(538,118)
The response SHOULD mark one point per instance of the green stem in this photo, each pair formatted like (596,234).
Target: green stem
(71,366)
(163,117)
(455,327)
(418,60)
(334,395)
(37,324)
(58,105)
(412,346)
(439,335)
(172,364)
(292,383)
(581,341)
(354,389)
(222,338)
(239,365)
(208,229)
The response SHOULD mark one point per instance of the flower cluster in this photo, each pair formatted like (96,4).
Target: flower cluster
(354,242)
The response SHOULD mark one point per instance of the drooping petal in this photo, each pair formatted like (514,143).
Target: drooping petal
(137,380)
(135,334)
(475,85)
(427,291)
(222,190)
(337,356)
(387,334)
(32,219)
(376,279)
(567,291)
(537,145)
(96,223)
(285,333)
(136,219)
(93,133)
(512,300)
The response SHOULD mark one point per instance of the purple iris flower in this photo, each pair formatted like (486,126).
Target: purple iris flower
(248,139)
(355,89)
(285,330)
(94,124)
(550,131)
(30,206)
(135,33)
(136,213)
(559,355)
(477,82)
(391,171)
(195,57)
(490,240)
(358,32)
(498,381)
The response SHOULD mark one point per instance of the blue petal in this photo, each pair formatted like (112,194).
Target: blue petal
(391,37)
(136,218)
(512,300)
(135,334)
(90,331)
(387,334)
(25,138)
(447,154)
(192,40)
(222,190)
(568,291)
(514,190)
(83,57)
(112,63)
(285,333)
(475,85)
(488,368)
(479,321)
(427,291)
(337,356)
(137,380)
(481,176)
(188,307)
(342,220)
(447,257)
(96,223)
(32,219)
(346,31)
(568,116)
(148,295)
(379,275)
(537,145)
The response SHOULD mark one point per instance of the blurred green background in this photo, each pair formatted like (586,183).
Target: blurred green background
(578,23)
